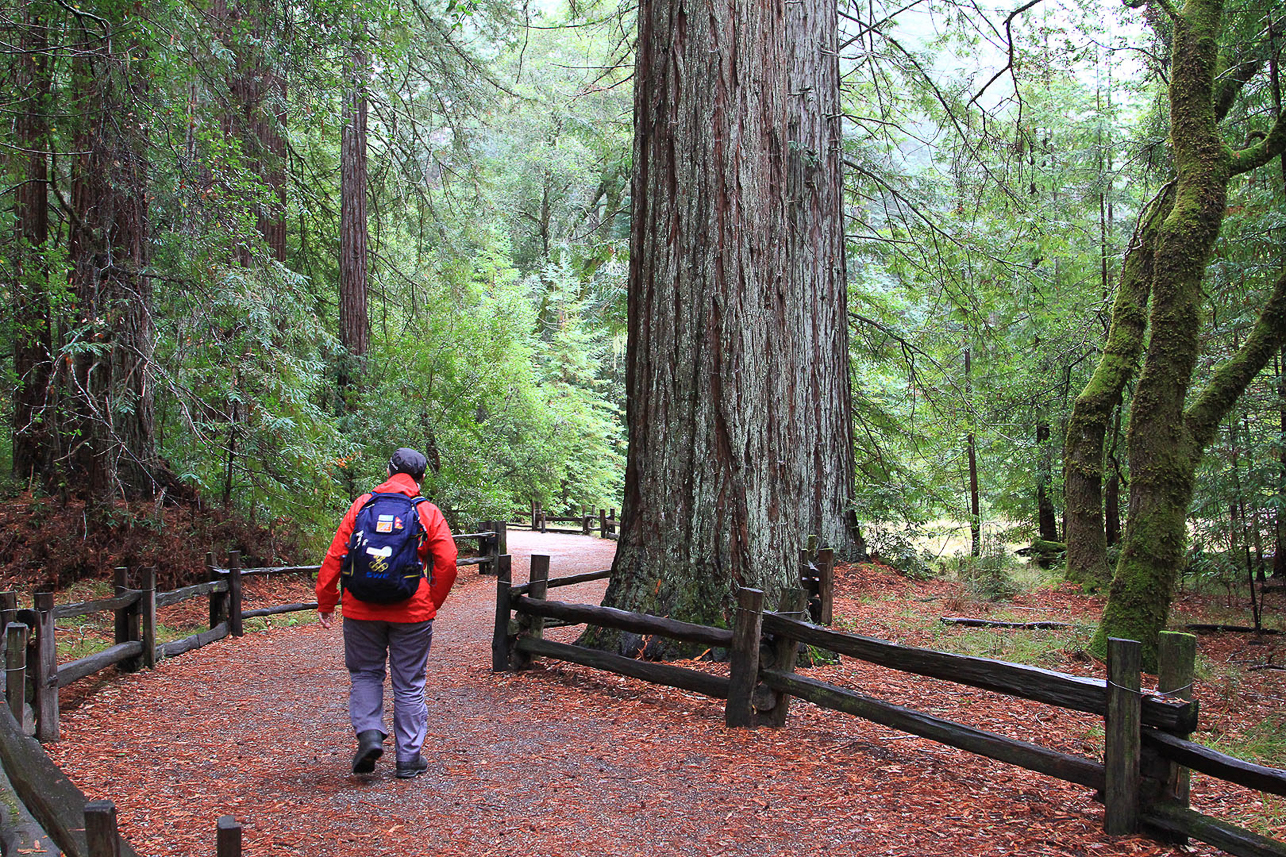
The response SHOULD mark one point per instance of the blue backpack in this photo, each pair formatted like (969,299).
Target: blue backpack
(383,563)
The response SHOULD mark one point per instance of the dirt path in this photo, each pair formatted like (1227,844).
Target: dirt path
(558,760)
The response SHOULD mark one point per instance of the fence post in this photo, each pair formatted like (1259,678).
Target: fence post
(228,837)
(218,600)
(613,525)
(493,547)
(602,523)
(1177,657)
(543,523)
(147,617)
(1121,739)
(101,838)
(8,607)
(826,584)
(500,637)
(784,654)
(744,660)
(234,594)
(15,671)
(44,680)
(124,617)
(585,519)
(533,626)
(535,513)
(502,538)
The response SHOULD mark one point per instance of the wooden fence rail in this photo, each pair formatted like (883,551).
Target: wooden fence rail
(1143,777)
(608,524)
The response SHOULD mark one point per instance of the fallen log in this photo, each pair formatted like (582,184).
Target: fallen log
(1229,629)
(990,623)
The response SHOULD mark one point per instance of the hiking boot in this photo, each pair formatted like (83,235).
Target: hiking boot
(370,746)
(413,768)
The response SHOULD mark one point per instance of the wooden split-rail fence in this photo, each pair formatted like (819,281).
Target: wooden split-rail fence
(605,522)
(1143,778)
(33,677)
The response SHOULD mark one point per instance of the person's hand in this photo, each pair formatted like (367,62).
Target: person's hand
(325,619)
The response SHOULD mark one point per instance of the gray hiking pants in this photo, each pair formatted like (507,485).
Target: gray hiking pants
(368,644)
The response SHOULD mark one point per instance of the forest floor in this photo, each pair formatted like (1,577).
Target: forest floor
(566,760)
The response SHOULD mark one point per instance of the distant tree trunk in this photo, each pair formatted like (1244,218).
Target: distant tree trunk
(1279,547)
(1165,439)
(720,365)
(112,445)
(354,324)
(33,447)
(971,454)
(1046,514)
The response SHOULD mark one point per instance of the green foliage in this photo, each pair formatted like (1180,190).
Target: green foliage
(989,577)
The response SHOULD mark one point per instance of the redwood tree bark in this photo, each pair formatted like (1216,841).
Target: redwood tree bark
(111,443)
(32,358)
(354,324)
(737,357)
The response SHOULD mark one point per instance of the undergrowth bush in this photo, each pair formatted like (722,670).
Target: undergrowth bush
(989,577)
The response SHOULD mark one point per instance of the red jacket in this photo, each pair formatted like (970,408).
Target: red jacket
(438,549)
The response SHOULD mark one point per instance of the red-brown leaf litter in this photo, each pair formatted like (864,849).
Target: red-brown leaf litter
(566,760)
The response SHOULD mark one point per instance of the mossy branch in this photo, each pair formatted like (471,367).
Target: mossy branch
(1231,378)
(1262,151)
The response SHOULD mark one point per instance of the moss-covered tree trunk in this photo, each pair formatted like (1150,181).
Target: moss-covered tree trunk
(1092,411)
(1165,440)
(737,358)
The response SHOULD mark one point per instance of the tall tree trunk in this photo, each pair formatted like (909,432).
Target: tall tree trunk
(32,348)
(1279,549)
(1046,514)
(1165,441)
(354,324)
(720,373)
(1086,430)
(971,455)
(112,449)
(818,298)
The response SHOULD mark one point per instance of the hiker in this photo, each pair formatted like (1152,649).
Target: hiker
(388,539)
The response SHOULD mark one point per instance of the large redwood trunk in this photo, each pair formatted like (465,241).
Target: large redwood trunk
(32,360)
(737,360)
(111,443)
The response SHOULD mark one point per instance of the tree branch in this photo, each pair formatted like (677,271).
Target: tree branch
(1260,153)
(1231,378)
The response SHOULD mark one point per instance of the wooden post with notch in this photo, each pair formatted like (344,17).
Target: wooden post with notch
(235,594)
(1121,751)
(500,636)
(228,837)
(502,538)
(744,659)
(147,617)
(784,654)
(1177,658)
(101,838)
(44,681)
(532,626)
(15,670)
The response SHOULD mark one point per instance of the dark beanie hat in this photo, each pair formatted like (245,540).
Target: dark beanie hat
(408,461)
